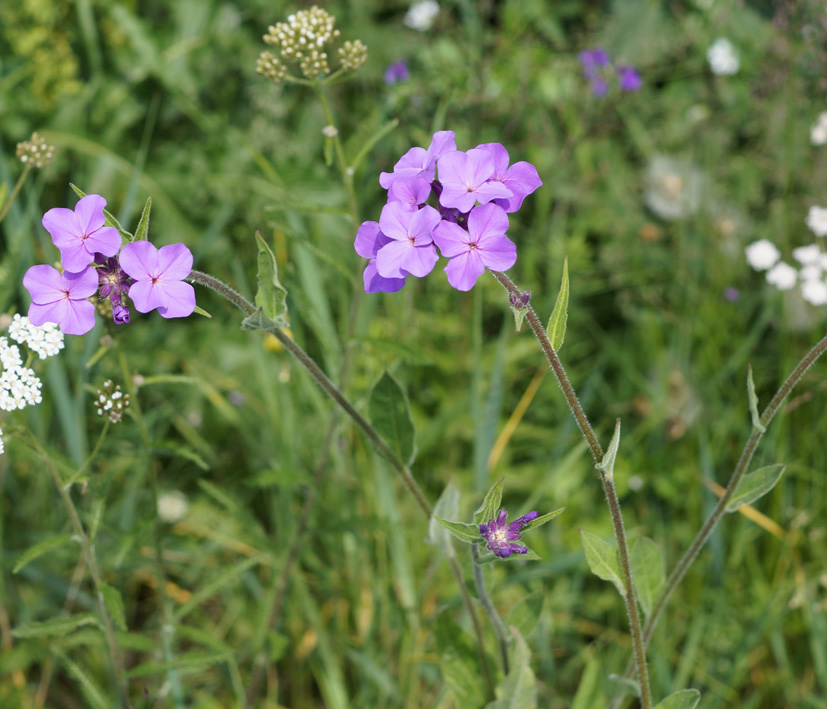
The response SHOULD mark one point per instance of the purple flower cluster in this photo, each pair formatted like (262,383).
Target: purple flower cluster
(597,66)
(474,191)
(501,537)
(151,277)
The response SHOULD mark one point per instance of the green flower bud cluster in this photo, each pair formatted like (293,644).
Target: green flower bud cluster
(35,151)
(270,65)
(352,55)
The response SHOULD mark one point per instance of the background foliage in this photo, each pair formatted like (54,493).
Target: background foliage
(162,98)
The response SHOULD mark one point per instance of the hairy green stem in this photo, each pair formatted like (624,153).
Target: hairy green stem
(20,180)
(91,562)
(630,599)
(487,604)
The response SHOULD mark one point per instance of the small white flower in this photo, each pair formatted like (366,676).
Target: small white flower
(2,445)
(421,15)
(673,187)
(811,272)
(723,58)
(818,131)
(814,292)
(762,255)
(817,220)
(44,340)
(806,255)
(172,506)
(782,276)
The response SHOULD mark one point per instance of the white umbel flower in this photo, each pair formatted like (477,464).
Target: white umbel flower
(808,255)
(723,57)
(45,340)
(814,291)
(421,15)
(817,220)
(782,276)
(762,255)
(818,131)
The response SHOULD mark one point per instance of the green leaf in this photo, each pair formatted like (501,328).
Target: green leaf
(602,559)
(468,533)
(627,684)
(754,485)
(109,219)
(271,296)
(114,604)
(38,550)
(192,661)
(95,696)
(490,506)
(557,323)
(56,627)
(203,312)
(446,507)
(518,689)
(648,574)
(541,520)
(530,555)
(4,192)
(225,578)
(142,231)
(684,699)
(462,679)
(176,449)
(753,402)
(525,615)
(607,465)
(391,417)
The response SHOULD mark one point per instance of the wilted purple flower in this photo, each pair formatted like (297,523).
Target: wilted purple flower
(397,72)
(521,178)
(369,239)
(158,275)
(628,78)
(501,537)
(79,234)
(412,247)
(114,284)
(483,245)
(61,298)
(418,162)
(466,180)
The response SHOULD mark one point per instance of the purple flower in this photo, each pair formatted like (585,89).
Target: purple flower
(413,191)
(521,178)
(731,294)
(80,234)
(466,180)
(591,59)
(628,78)
(61,298)
(412,247)
(114,284)
(369,239)
(158,275)
(397,72)
(418,162)
(501,537)
(483,245)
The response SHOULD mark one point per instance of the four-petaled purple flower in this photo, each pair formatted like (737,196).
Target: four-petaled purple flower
(483,245)
(61,298)
(418,162)
(81,233)
(369,239)
(158,275)
(521,178)
(501,537)
(466,180)
(412,247)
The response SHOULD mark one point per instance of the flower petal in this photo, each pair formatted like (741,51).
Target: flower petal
(44,284)
(146,295)
(463,270)
(50,312)
(139,259)
(89,214)
(62,225)
(498,253)
(374,283)
(175,263)
(79,317)
(179,299)
(451,239)
(367,238)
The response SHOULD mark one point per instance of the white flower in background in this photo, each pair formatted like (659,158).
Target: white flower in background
(9,354)
(818,131)
(421,15)
(808,255)
(172,506)
(723,58)
(817,220)
(19,387)
(45,340)
(2,445)
(673,187)
(782,276)
(762,255)
(814,291)
(811,272)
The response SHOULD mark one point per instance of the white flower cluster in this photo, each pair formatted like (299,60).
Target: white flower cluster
(818,131)
(723,58)
(111,401)
(44,340)
(19,386)
(2,446)
(421,15)
(812,259)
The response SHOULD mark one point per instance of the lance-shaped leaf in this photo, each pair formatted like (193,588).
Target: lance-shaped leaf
(55,627)
(518,689)
(490,504)
(607,465)
(109,218)
(684,699)
(39,549)
(4,191)
(446,507)
(114,604)
(755,485)
(271,296)
(468,533)
(142,232)
(391,417)
(648,575)
(541,520)
(753,402)
(557,323)
(602,559)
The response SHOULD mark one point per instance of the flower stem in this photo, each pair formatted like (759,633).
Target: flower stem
(91,563)
(20,180)
(345,170)
(493,616)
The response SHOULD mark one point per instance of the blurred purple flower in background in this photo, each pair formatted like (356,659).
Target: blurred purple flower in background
(597,66)
(397,72)
(628,78)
